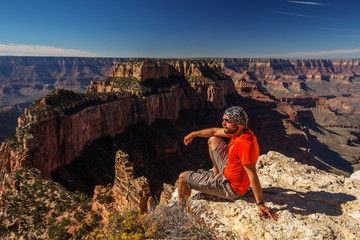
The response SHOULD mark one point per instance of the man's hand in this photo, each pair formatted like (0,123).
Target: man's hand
(265,211)
(188,138)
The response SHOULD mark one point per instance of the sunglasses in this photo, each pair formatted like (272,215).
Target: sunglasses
(227,120)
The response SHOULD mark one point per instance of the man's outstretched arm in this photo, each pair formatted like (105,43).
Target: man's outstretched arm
(208,132)
(257,190)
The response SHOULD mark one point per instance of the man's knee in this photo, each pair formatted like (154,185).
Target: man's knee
(182,178)
(182,182)
(213,142)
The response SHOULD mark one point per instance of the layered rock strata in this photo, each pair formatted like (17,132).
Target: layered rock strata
(294,69)
(148,69)
(53,131)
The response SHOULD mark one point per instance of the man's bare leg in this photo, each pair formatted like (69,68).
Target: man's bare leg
(183,190)
(213,142)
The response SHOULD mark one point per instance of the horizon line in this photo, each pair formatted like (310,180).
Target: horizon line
(202,58)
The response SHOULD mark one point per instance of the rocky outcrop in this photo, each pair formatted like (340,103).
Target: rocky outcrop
(130,192)
(141,77)
(311,204)
(355,175)
(53,131)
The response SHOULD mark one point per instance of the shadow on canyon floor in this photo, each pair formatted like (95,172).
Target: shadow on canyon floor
(326,159)
(94,167)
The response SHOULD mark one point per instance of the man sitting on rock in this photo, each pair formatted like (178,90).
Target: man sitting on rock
(234,165)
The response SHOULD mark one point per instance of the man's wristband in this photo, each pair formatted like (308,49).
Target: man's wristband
(260,203)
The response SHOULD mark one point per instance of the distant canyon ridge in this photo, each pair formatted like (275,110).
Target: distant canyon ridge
(306,109)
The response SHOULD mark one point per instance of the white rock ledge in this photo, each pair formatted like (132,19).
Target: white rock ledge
(312,204)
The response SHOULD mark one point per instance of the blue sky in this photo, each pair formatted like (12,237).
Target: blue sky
(178,29)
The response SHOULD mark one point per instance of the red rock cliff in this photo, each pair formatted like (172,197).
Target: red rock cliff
(53,131)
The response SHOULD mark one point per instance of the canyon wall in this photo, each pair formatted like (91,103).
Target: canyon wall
(292,69)
(54,130)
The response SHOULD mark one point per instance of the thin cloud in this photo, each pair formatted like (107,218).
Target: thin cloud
(303,15)
(37,50)
(308,3)
(343,29)
(317,53)
(351,36)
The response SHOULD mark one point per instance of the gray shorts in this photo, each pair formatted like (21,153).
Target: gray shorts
(215,185)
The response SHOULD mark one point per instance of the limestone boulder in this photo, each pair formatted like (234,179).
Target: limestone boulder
(355,175)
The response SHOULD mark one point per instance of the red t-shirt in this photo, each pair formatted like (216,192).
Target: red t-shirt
(243,149)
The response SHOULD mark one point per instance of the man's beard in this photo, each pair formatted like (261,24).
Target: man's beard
(230,131)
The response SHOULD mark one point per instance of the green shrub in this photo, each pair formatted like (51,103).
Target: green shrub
(60,207)
(95,219)
(104,199)
(79,216)
(37,185)
(82,232)
(36,217)
(76,198)
(127,226)
(85,204)
(51,220)
(58,232)
(63,195)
